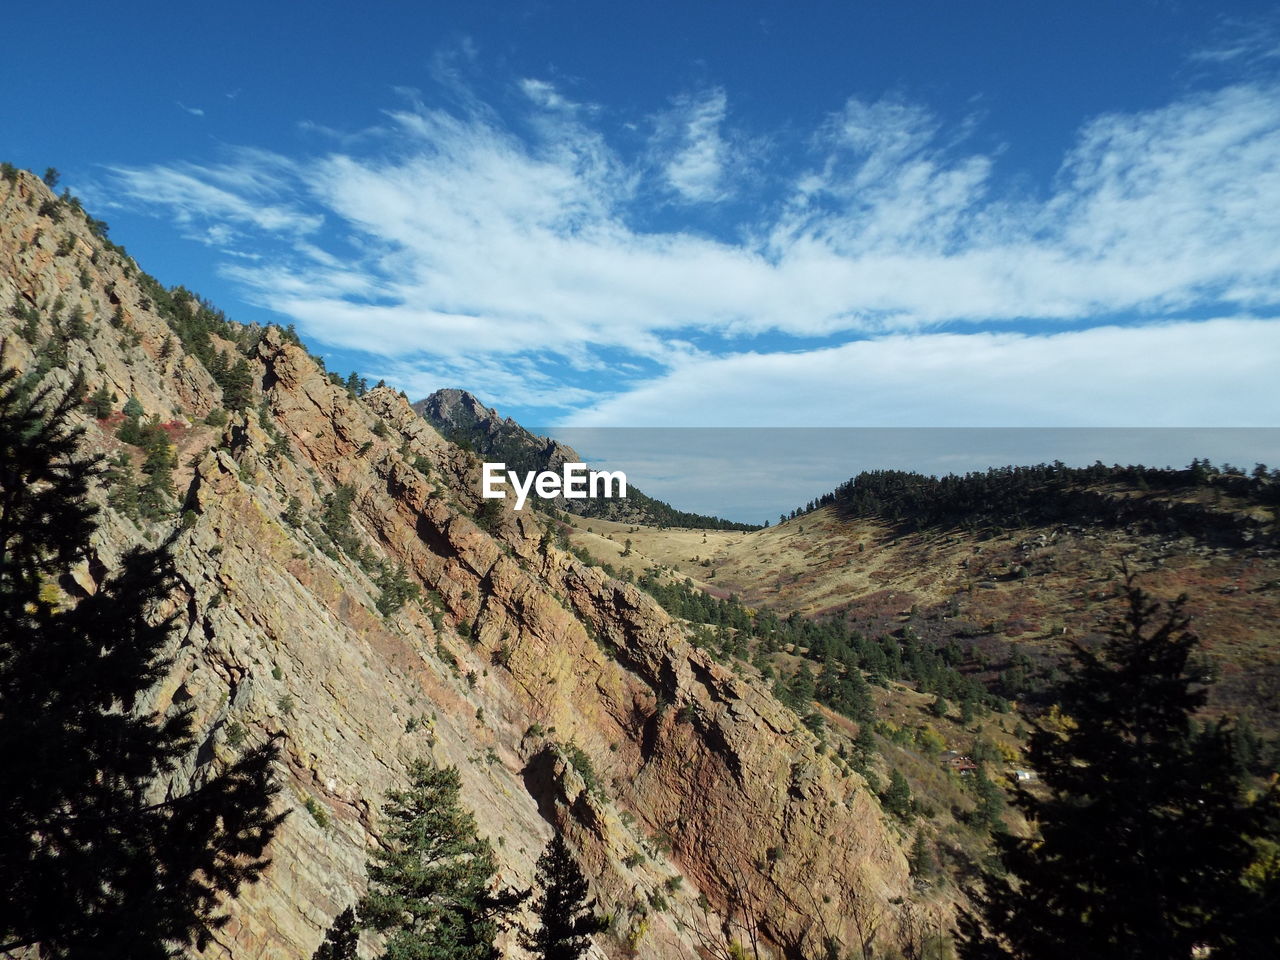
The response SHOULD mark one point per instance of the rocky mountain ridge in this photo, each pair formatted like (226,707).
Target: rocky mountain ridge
(703,811)
(460,416)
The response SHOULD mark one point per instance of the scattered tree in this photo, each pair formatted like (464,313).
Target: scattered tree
(1145,834)
(237,386)
(921,859)
(92,865)
(566,917)
(341,940)
(896,798)
(396,589)
(101,402)
(431,886)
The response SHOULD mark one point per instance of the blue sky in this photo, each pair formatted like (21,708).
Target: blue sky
(702,214)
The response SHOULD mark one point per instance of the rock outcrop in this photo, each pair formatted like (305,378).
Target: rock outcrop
(701,809)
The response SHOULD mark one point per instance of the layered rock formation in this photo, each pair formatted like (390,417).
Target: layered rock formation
(702,811)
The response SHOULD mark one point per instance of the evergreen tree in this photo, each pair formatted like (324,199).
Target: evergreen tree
(122,487)
(431,884)
(30,329)
(53,352)
(921,859)
(101,402)
(93,865)
(237,386)
(801,689)
(77,328)
(396,589)
(990,802)
(897,796)
(218,365)
(864,747)
(566,917)
(342,939)
(336,517)
(156,492)
(1145,835)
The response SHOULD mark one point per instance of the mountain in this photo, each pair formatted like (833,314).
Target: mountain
(703,811)
(461,417)
(1005,569)
(755,742)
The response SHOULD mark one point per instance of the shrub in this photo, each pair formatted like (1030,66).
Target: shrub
(318,813)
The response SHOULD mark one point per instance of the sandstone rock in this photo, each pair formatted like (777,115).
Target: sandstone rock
(279,633)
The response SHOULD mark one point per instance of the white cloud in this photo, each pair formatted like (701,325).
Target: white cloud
(697,154)
(454,240)
(1242,41)
(1192,374)
(210,200)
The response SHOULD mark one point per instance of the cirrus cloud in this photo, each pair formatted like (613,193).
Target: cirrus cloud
(465,243)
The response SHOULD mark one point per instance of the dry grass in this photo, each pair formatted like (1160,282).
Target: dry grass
(820,564)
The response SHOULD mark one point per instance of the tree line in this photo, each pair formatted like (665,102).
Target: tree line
(1018,496)
(848,658)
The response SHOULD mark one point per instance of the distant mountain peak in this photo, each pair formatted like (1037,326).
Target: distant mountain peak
(463,418)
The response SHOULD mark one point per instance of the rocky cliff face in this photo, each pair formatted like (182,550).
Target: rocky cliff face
(701,809)
(460,416)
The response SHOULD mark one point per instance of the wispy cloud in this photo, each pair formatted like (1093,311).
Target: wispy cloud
(459,241)
(194,111)
(1191,374)
(1239,41)
(214,202)
(695,165)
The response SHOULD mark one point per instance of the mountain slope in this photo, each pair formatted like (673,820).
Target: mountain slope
(464,419)
(1009,585)
(565,698)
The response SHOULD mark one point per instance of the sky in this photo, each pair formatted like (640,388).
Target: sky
(710,214)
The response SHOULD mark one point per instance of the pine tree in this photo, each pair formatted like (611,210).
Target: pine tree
(218,365)
(396,589)
(990,802)
(566,917)
(30,329)
(122,486)
(91,865)
(921,859)
(801,689)
(77,328)
(431,884)
(237,386)
(342,939)
(101,402)
(864,747)
(1145,835)
(897,796)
